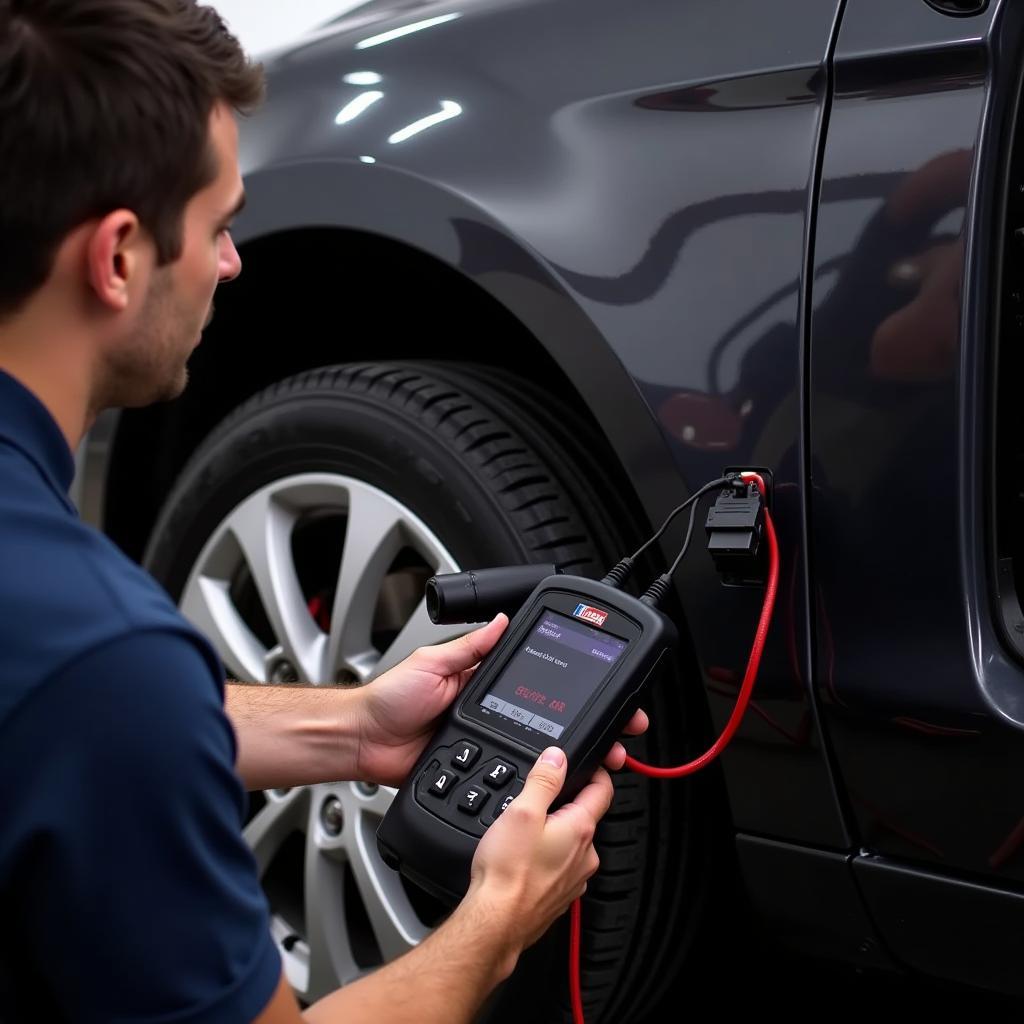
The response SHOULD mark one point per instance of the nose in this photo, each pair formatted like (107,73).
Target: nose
(230,262)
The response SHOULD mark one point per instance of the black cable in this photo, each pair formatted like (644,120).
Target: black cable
(720,482)
(622,570)
(660,587)
(686,541)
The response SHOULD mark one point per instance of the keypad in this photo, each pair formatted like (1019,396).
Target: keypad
(454,769)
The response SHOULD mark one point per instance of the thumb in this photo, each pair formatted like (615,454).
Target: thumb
(545,781)
(465,651)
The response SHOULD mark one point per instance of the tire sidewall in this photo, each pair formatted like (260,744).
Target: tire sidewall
(348,436)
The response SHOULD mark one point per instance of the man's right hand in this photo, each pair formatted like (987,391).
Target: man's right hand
(528,868)
(530,865)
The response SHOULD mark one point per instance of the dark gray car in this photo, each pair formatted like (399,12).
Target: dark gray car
(519,277)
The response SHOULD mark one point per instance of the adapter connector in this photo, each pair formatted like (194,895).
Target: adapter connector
(734,527)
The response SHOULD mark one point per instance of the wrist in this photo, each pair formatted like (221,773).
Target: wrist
(491,920)
(364,733)
(332,733)
(293,736)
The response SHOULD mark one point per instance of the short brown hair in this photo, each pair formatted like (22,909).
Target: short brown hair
(105,104)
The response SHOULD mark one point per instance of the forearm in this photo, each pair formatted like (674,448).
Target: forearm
(293,735)
(445,979)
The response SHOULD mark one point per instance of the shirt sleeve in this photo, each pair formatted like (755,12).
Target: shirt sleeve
(140,900)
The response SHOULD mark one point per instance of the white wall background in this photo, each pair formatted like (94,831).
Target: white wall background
(261,24)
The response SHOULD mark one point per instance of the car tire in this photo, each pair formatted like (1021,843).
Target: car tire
(495,475)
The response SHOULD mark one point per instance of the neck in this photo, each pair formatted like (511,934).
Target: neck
(53,366)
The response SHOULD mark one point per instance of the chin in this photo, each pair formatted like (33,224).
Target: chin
(179,385)
(168,390)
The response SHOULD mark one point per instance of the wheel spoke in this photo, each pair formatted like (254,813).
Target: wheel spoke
(263,528)
(208,605)
(331,959)
(373,537)
(278,818)
(376,805)
(363,665)
(419,631)
(395,924)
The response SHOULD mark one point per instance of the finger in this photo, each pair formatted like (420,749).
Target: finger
(465,651)
(544,782)
(615,758)
(638,724)
(596,796)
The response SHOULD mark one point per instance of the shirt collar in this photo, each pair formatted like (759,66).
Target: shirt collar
(26,424)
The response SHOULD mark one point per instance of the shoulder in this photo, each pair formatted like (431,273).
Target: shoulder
(134,720)
(150,695)
(67,590)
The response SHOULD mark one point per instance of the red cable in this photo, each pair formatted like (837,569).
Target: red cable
(749,678)
(575,993)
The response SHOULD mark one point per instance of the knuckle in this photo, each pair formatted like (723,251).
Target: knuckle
(543,777)
(585,828)
(470,648)
(519,814)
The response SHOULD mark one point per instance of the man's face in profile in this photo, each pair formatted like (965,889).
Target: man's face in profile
(151,365)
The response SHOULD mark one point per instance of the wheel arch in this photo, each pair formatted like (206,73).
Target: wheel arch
(326,250)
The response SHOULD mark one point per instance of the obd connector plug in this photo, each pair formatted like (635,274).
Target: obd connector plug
(734,527)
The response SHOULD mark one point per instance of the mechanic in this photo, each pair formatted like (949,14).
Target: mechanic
(128,892)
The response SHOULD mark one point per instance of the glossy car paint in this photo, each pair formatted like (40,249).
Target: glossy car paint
(921,703)
(919,745)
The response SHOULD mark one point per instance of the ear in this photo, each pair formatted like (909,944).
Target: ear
(117,254)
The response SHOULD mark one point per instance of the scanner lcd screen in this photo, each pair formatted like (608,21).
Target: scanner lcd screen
(547,682)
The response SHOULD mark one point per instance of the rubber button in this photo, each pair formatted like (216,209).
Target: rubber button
(464,754)
(473,798)
(442,783)
(498,773)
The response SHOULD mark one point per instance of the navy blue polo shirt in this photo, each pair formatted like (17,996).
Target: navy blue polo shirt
(126,890)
